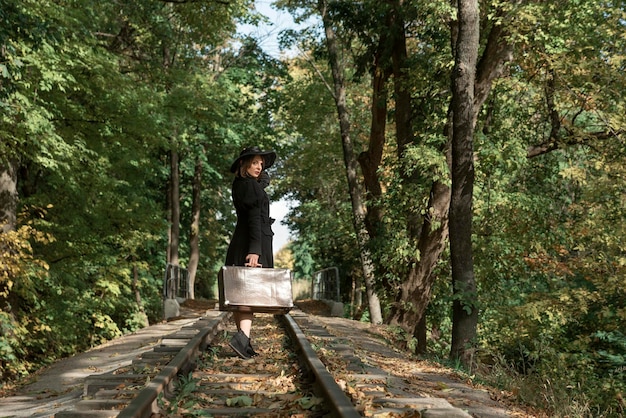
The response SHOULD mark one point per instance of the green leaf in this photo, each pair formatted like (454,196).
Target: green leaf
(239,401)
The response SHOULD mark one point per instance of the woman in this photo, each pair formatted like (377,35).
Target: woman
(251,244)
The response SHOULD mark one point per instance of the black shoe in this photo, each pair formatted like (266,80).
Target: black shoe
(250,351)
(240,343)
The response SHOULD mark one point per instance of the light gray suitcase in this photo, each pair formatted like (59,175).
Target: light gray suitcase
(255,289)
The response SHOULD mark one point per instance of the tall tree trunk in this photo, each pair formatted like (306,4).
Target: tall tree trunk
(465,311)
(358,211)
(429,232)
(174,195)
(414,293)
(370,159)
(403,110)
(140,307)
(175,210)
(194,233)
(168,211)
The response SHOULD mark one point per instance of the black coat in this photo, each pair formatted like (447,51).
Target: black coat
(253,232)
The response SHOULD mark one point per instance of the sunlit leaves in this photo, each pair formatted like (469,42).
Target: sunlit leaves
(17,259)
(427,160)
(86,116)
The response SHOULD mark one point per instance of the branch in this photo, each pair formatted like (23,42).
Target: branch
(555,119)
(319,73)
(554,143)
(560,127)
(491,65)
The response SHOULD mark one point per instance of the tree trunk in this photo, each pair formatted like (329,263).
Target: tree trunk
(351,164)
(414,293)
(403,109)
(497,51)
(175,210)
(194,233)
(465,311)
(8,196)
(420,335)
(429,232)
(140,307)
(370,160)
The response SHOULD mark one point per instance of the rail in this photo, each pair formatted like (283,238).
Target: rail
(194,369)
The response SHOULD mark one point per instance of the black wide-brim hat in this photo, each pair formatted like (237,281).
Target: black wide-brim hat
(268,156)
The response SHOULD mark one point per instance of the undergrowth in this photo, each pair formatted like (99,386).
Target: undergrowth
(557,386)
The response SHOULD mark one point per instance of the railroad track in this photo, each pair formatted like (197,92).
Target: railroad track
(302,371)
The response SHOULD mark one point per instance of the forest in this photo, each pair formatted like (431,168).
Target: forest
(462,164)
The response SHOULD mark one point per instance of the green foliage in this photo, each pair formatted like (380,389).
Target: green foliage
(94,95)
(548,230)
(12,364)
(183,399)
(312,173)
(19,277)
(553,287)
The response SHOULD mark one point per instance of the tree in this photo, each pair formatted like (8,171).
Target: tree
(465,311)
(350,161)
(22,30)
(312,173)
(86,129)
(548,143)
(194,231)
(411,286)
(426,233)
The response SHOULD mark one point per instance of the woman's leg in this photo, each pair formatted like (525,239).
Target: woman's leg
(244,322)
(241,340)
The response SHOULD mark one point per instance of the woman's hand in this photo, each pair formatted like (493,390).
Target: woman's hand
(252,260)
